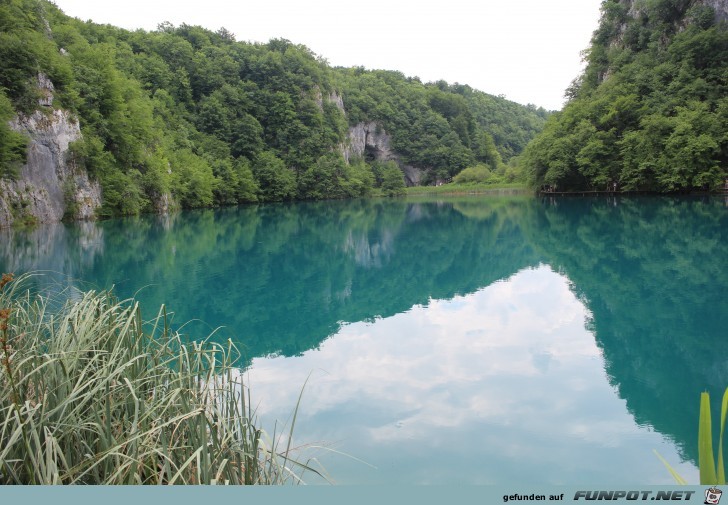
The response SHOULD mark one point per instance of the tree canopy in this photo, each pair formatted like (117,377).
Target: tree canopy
(650,112)
(192,113)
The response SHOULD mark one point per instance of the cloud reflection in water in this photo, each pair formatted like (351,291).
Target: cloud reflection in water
(501,386)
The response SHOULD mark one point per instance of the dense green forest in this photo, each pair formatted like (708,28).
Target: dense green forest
(650,112)
(195,114)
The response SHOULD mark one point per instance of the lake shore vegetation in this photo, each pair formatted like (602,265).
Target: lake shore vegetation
(470,188)
(90,393)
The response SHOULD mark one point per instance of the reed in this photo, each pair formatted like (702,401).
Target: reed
(710,474)
(92,394)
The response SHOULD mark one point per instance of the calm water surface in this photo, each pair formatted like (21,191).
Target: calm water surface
(502,340)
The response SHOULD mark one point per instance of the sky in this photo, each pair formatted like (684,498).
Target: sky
(526,50)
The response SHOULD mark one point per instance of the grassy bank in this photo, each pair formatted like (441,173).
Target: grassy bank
(92,394)
(468,189)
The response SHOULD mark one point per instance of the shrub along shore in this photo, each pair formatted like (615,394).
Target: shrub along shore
(90,393)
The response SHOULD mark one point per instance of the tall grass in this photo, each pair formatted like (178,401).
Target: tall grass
(90,394)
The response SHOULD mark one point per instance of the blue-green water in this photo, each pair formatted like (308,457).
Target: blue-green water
(507,340)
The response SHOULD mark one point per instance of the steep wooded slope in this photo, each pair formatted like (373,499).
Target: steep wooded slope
(650,112)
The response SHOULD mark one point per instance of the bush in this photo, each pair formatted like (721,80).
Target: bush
(275,180)
(392,180)
(479,174)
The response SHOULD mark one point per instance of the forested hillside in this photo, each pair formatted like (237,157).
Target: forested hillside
(650,112)
(191,117)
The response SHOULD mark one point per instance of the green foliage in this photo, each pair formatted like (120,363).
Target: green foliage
(392,180)
(12,144)
(191,114)
(121,194)
(91,394)
(484,174)
(330,177)
(277,182)
(192,179)
(649,112)
(439,127)
(236,183)
(475,175)
(361,179)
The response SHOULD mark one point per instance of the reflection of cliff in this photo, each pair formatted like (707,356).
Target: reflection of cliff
(653,274)
(282,278)
(64,253)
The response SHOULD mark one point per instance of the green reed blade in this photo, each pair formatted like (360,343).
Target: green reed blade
(723,414)
(706,461)
(678,478)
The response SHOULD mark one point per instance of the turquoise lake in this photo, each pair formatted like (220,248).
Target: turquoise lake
(461,340)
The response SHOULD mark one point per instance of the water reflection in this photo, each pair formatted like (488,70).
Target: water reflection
(501,386)
(652,272)
(593,306)
(281,278)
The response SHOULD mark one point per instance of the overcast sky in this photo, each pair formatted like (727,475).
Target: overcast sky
(527,50)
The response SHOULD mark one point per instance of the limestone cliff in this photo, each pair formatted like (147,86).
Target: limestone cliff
(719,6)
(48,188)
(371,141)
(638,10)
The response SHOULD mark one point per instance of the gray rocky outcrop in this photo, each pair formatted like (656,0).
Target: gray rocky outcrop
(332,97)
(719,6)
(49,187)
(369,138)
(371,141)
(635,7)
(412,175)
(337,100)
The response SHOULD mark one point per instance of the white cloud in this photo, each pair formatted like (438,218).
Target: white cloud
(458,379)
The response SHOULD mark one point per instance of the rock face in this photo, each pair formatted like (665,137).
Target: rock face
(337,100)
(719,6)
(333,97)
(46,88)
(637,8)
(412,175)
(48,187)
(371,141)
